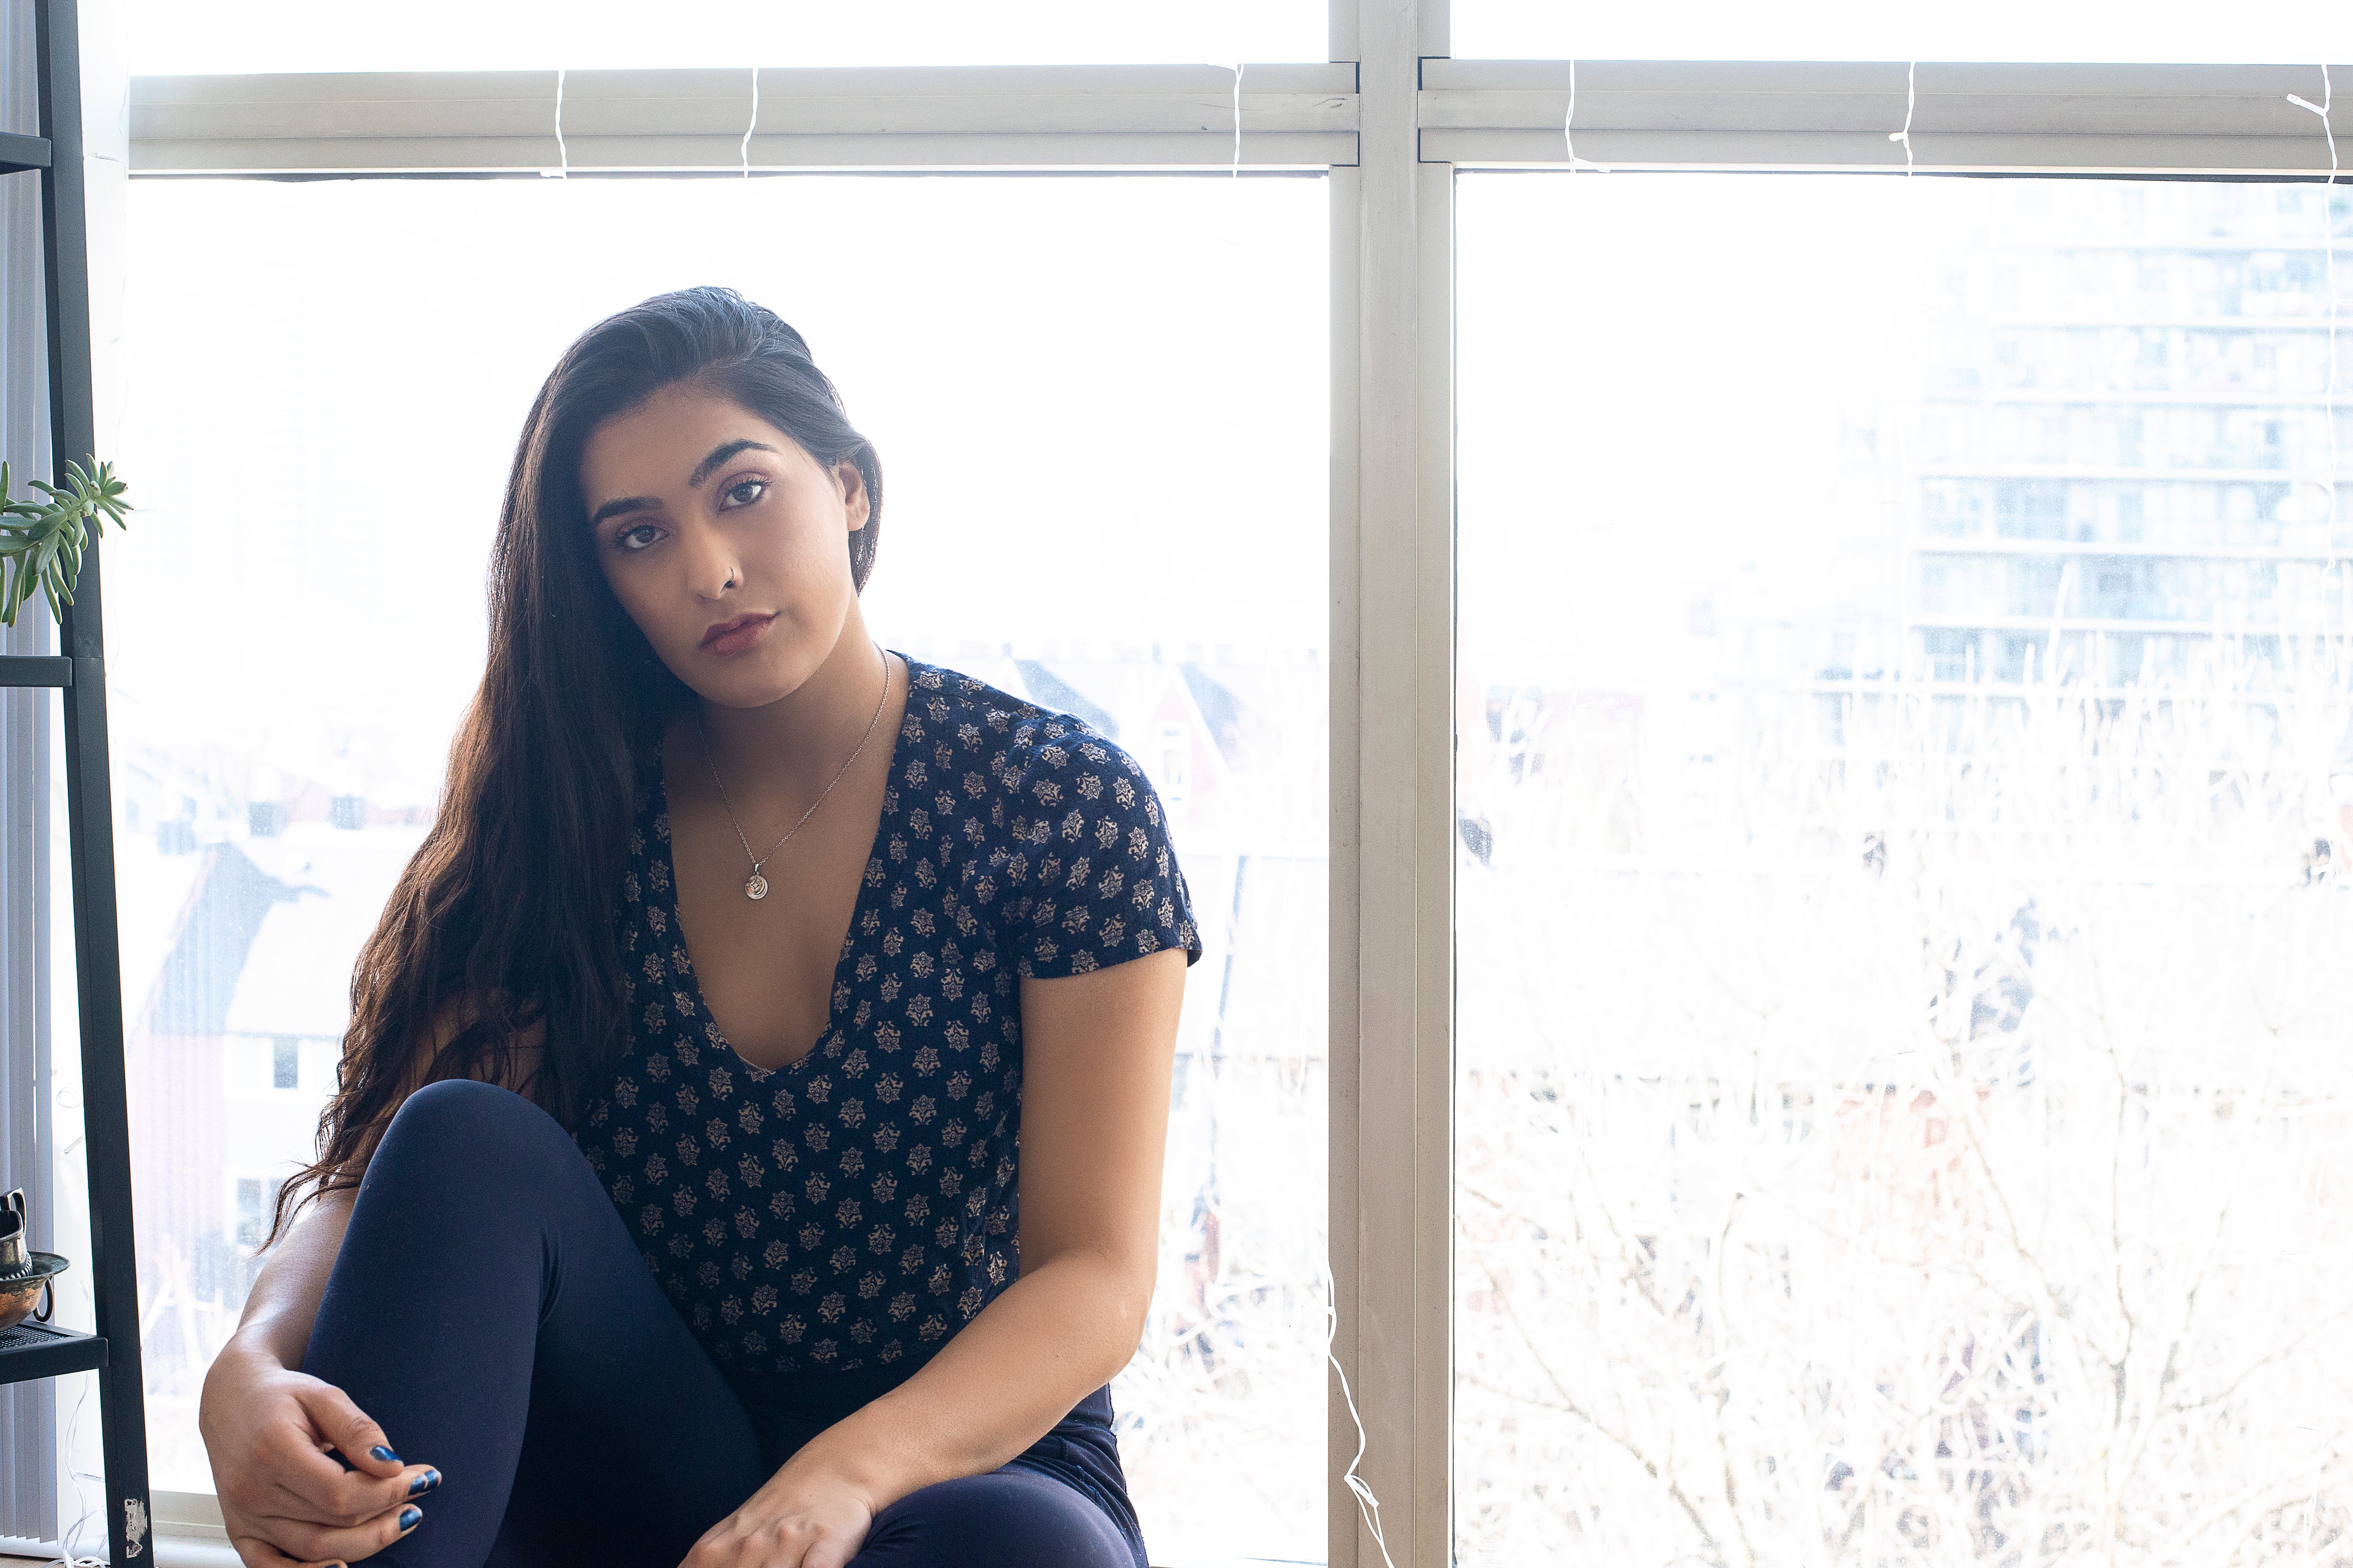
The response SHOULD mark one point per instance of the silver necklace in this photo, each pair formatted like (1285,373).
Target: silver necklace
(757,888)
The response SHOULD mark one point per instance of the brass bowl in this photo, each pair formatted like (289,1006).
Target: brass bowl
(18,1292)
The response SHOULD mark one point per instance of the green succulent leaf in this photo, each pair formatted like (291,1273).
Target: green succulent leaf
(42,542)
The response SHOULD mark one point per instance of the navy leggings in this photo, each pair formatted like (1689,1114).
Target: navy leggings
(490,1311)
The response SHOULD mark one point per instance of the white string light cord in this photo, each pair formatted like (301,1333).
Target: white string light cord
(746,149)
(563,171)
(69,1102)
(1911,99)
(2328,242)
(1227,227)
(1361,1489)
(1229,232)
(1567,129)
(68,1537)
(1367,1504)
(1238,120)
(1903,138)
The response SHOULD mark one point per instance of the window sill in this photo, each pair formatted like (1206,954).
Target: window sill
(171,1552)
(188,1534)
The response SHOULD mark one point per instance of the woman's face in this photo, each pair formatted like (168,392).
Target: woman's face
(724,541)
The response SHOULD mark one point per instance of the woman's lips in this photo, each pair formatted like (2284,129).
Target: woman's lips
(741,637)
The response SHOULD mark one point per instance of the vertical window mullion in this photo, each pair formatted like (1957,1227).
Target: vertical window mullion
(1392,736)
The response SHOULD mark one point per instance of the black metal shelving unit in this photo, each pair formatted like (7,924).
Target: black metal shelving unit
(30,1351)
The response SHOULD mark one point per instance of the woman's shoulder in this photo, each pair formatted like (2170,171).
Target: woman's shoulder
(1013,742)
(1067,849)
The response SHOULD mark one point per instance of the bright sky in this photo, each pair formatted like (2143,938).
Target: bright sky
(1676,388)
(1654,373)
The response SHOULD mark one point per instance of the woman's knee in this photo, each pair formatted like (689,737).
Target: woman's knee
(473,1135)
(1008,1518)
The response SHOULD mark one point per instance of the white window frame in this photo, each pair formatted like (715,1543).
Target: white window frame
(1391,118)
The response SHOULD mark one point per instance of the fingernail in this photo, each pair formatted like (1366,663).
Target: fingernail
(386,1455)
(409,1516)
(421,1484)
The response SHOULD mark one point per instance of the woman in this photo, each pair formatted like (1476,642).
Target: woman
(615,1257)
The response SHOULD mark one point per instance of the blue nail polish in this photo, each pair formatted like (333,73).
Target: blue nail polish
(386,1455)
(409,1516)
(421,1484)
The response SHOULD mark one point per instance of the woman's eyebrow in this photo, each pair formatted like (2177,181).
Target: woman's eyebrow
(717,456)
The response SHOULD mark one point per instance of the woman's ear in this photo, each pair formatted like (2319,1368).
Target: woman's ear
(857,505)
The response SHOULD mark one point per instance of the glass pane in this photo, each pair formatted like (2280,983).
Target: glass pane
(165,37)
(2157,30)
(1104,427)
(1903,999)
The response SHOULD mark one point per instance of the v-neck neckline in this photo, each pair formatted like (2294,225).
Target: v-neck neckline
(836,988)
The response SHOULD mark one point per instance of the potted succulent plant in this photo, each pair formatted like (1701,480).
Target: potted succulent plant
(41,541)
(24,1274)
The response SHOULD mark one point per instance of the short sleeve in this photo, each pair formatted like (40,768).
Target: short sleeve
(1103,884)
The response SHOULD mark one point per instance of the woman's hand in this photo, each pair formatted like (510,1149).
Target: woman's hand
(271,1434)
(807,1516)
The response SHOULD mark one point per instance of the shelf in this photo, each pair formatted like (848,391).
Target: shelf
(22,153)
(43,670)
(32,1350)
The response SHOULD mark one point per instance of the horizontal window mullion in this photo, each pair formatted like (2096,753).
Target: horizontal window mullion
(1181,116)
(2043,118)
(1126,152)
(2037,118)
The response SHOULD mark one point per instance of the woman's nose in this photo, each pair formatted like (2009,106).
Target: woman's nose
(711,566)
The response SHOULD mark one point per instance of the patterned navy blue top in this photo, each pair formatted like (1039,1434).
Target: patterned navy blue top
(858,1207)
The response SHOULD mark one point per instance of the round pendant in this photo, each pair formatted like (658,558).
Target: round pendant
(757,888)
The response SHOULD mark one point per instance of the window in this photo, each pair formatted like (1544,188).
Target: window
(1873,1124)
(1787,514)
(1092,330)
(256,1195)
(1169,771)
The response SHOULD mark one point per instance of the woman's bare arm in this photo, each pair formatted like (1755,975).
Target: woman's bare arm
(1097,1053)
(285,1296)
(274,1432)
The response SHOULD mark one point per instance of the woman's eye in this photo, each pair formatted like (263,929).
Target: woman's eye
(626,535)
(740,485)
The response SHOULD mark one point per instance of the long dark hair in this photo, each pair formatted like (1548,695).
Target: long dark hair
(503,918)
